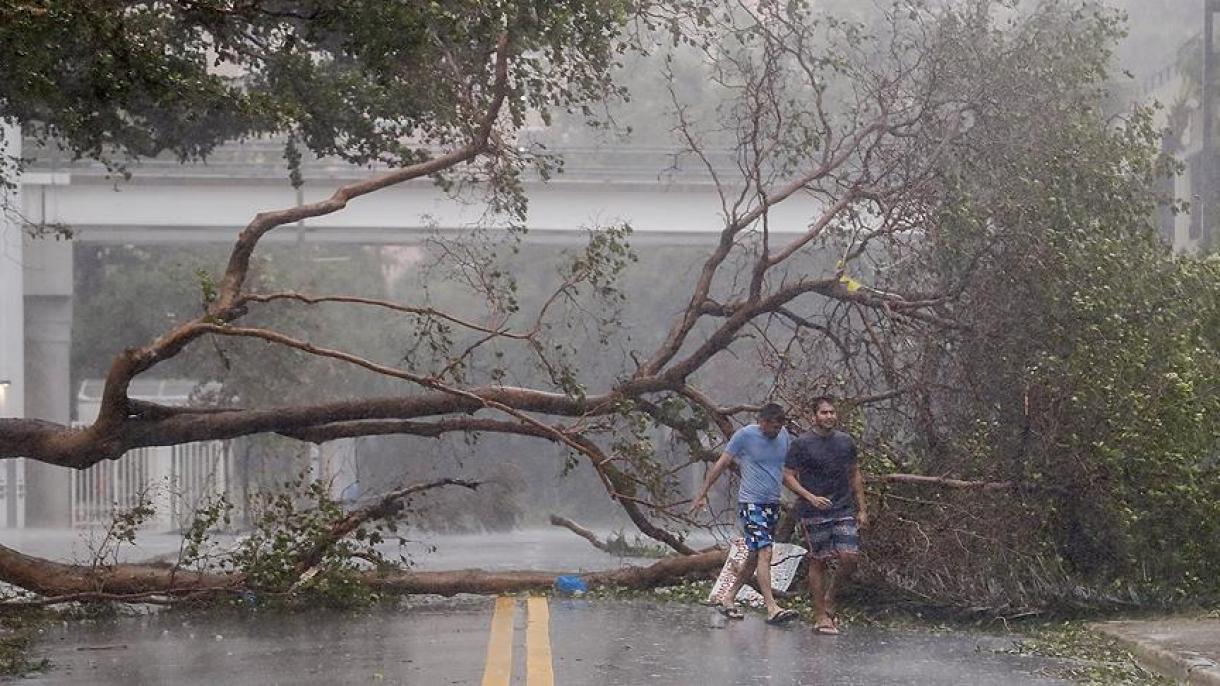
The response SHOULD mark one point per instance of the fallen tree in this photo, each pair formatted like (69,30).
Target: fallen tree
(147,584)
(562,412)
(315,558)
(861,293)
(667,571)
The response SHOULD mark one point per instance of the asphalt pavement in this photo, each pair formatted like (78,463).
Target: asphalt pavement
(450,641)
(518,642)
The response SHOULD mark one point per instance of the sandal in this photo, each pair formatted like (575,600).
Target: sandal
(826,627)
(731,611)
(782,617)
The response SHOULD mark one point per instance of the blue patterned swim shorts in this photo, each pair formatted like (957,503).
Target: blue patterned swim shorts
(758,523)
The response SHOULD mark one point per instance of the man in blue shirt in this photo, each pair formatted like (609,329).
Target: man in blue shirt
(759,450)
(822,468)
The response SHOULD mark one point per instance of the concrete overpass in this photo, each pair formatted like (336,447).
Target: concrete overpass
(667,200)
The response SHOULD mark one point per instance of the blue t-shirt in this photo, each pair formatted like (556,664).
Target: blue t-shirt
(823,465)
(761,460)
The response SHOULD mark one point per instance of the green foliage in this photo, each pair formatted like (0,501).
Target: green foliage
(1102,354)
(691,592)
(124,524)
(1089,366)
(289,523)
(212,513)
(207,286)
(1097,660)
(365,81)
(1083,363)
(1133,388)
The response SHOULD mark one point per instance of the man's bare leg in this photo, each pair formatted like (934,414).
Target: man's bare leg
(763,574)
(817,589)
(845,568)
(744,571)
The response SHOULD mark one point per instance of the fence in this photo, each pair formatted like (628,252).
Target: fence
(12,493)
(173,479)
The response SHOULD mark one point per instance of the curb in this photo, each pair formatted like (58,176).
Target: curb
(1185,667)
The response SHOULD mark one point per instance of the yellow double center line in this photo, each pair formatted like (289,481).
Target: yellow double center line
(538,666)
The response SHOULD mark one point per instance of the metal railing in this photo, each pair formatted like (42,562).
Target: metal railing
(174,480)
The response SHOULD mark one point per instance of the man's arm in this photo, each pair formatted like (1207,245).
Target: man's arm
(794,485)
(721,465)
(857,489)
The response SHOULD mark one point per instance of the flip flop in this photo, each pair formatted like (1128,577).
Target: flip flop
(826,628)
(782,617)
(732,612)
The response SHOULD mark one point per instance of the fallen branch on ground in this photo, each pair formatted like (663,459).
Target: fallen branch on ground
(447,583)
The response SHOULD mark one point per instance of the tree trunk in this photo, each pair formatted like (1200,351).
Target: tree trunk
(447,583)
(60,582)
(50,578)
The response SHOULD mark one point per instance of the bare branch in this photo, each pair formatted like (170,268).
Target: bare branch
(580,531)
(226,306)
(389,305)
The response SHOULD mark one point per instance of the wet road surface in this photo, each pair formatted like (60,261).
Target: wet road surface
(467,641)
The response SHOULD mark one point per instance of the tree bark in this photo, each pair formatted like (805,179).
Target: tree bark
(50,578)
(140,583)
(447,583)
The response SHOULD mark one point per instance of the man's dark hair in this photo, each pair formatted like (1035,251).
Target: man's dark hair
(772,412)
(817,402)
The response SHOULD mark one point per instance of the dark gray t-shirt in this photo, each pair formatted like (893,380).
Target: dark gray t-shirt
(823,465)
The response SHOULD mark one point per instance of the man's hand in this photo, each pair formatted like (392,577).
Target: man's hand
(700,501)
(862,519)
(819,502)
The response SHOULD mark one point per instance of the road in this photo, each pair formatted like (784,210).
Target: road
(517,642)
(467,641)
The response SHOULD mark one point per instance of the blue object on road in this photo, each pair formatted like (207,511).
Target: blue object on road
(570,584)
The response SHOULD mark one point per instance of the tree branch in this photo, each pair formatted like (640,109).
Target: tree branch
(385,506)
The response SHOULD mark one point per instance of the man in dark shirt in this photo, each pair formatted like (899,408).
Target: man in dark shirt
(822,469)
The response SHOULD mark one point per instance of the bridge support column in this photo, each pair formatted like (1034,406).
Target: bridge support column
(48,348)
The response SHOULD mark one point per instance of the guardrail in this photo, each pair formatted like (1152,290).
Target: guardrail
(173,479)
